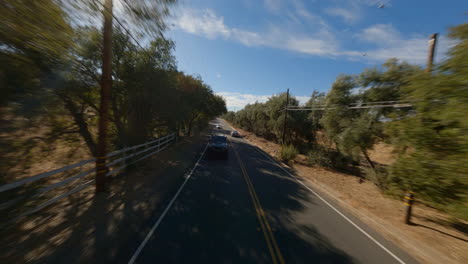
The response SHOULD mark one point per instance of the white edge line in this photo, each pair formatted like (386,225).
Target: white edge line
(332,207)
(337,211)
(161,217)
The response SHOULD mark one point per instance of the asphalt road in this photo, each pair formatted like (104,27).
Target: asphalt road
(247,209)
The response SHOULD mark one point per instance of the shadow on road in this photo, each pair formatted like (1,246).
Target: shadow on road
(104,228)
(287,204)
(214,220)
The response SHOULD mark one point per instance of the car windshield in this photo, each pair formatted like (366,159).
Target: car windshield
(218,139)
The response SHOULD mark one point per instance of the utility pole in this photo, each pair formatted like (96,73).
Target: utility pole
(432,45)
(285,117)
(106,86)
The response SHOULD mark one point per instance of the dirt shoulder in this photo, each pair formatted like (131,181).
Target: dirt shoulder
(430,240)
(89,228)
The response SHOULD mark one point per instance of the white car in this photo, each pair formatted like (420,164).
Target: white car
(218,127)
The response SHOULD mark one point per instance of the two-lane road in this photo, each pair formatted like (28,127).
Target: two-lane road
(248,209)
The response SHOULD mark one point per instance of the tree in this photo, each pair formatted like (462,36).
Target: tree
(34,38)
(267,119)
(432,141)
(338,117)
(354,132)
(197,103)
(317,100)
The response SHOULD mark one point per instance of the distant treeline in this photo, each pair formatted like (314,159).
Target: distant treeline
(430,138)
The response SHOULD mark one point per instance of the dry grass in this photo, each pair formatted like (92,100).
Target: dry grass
(382,153)
(433,239)
(25,151)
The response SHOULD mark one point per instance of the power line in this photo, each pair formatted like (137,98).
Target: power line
(358,105)
(350,107)
(150,57)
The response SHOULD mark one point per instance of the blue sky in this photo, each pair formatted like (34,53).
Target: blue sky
(247,50)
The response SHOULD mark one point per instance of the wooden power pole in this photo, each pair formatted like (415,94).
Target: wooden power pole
(106,86)
(285,117)
(432,46)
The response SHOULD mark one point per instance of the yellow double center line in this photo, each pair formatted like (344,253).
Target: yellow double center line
(275,253)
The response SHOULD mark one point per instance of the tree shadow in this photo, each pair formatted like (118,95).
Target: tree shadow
(442,232)
(214,221)
(88,228)
(455,224)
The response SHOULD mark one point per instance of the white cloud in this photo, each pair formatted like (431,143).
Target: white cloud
(204,23)
(384,34)
(272,5)
(236,101)
(207,23)
(348,15)
(302,12)
(381,41)
(311,46)
(390,43)
(302,99)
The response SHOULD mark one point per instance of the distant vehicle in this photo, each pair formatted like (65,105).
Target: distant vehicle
(218,127)
(218,146)
(235,133)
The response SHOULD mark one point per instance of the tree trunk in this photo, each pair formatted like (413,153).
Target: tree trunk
(189,128)
(79,119)
(364,152)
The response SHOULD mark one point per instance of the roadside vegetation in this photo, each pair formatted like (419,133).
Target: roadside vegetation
(430,139)
(288,153)
(50,77)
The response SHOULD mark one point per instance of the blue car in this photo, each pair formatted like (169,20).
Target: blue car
(218,146)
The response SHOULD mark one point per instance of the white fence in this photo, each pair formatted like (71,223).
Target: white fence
(26,192)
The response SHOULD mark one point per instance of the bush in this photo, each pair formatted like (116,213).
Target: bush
(328,158)
(320,158)
(288,152)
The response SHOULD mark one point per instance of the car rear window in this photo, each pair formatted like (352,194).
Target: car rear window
(218,139)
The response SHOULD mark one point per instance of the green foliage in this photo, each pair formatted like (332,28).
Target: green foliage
(432,141)
(288,153)
(354,132)
(229,116)
(197,101)
(50,72)
(317,100)
(267,120)
(34,37)
(329,158)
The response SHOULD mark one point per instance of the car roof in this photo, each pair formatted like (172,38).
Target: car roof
(218,138)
